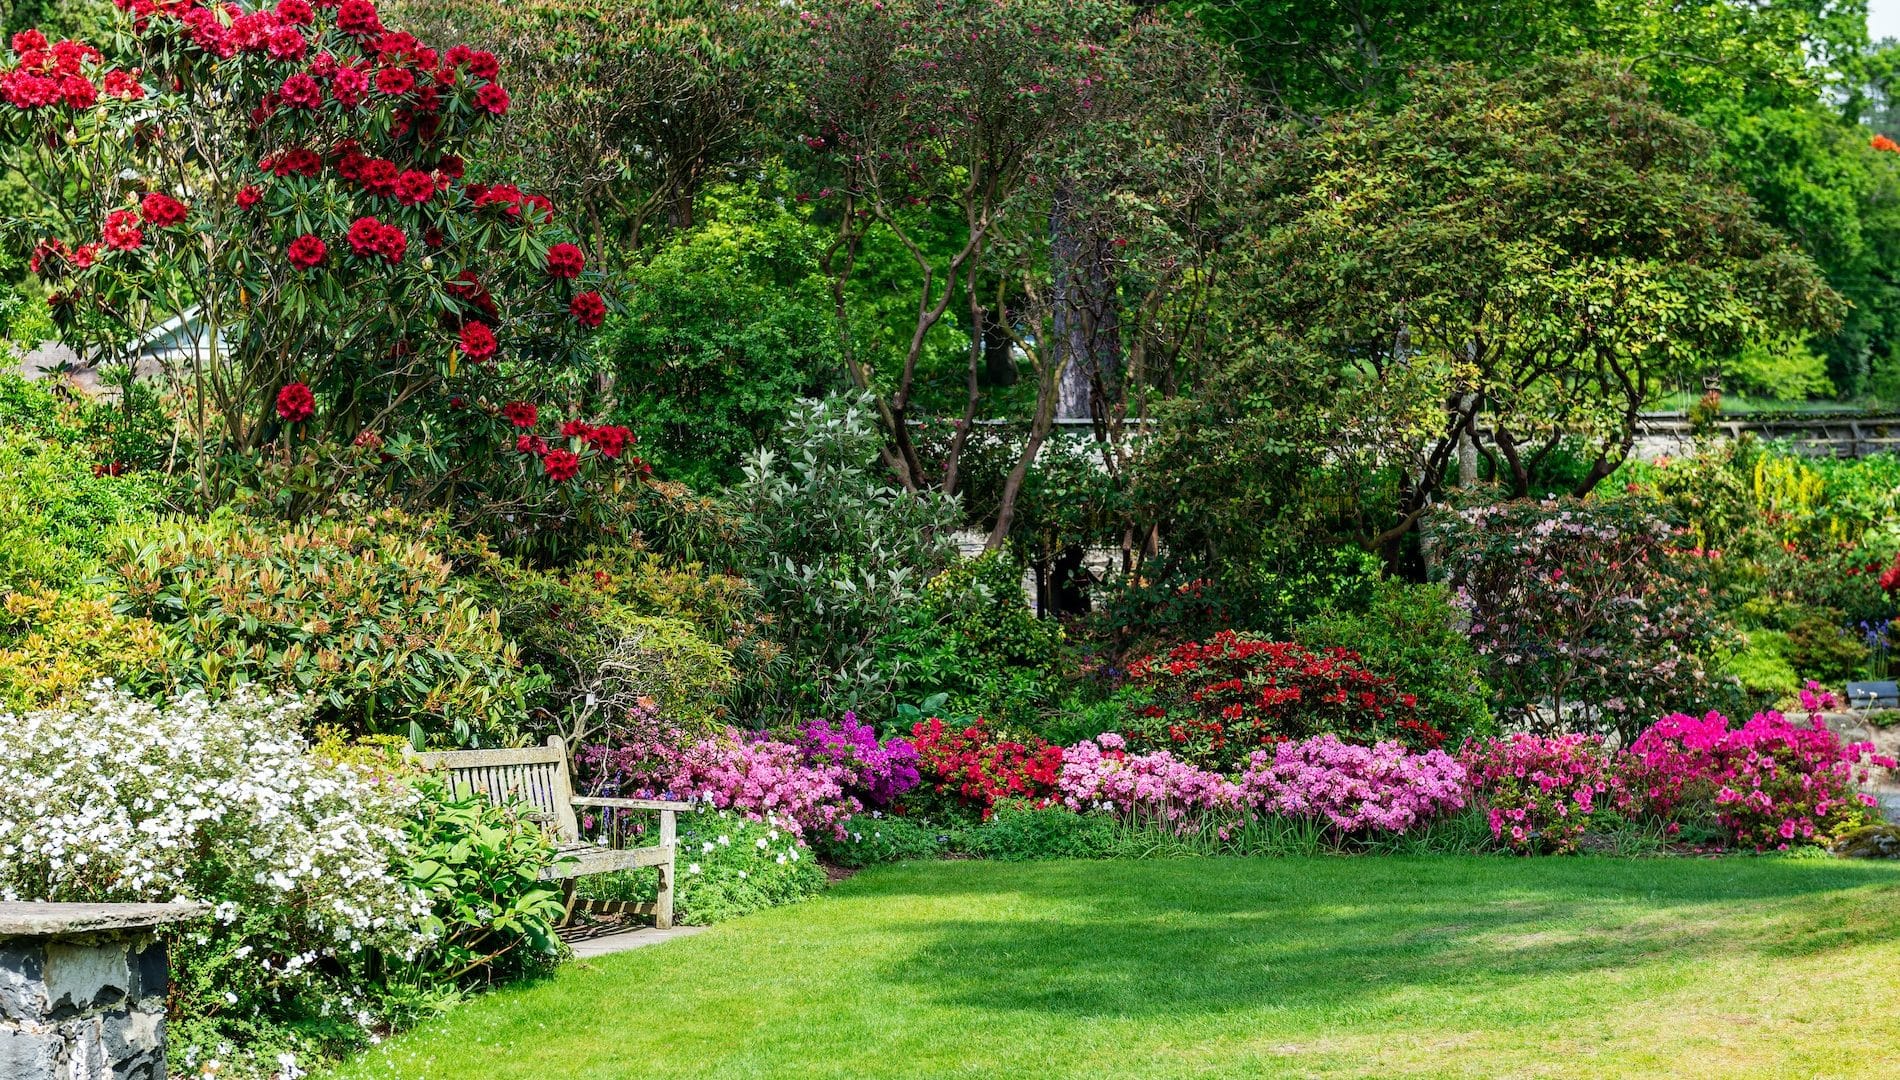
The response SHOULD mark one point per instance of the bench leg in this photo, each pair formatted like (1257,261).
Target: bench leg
(663,903)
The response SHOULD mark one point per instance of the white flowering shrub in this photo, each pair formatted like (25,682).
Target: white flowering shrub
(302,858)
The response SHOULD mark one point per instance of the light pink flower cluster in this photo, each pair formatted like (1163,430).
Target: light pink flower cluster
(1356,789)
(1100,773)
(764,779)
(1540,791)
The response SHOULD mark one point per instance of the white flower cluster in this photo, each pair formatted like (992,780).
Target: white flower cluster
(223,802)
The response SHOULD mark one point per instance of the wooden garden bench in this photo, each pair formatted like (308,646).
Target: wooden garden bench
(538,776)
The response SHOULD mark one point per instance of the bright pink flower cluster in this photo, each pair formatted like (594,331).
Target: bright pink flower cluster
(1540,792)
(1356,789)
(1773,782)
(1099,773)
(879,770)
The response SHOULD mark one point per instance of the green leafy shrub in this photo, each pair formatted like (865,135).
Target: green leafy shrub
(973,638)
(609,633)
(1821,649)
(1019,830)
(727,866)
(370,624)
(57,514)
(1411,634)
(877,838)
(491,917)
(836,552)
(1762,665)
(724,329)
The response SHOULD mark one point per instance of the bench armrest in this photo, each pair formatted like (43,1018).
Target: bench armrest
(630,804)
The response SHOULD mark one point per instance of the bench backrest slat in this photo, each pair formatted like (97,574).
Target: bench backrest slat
(536,775)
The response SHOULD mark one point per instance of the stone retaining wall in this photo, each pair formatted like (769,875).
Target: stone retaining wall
(82,990)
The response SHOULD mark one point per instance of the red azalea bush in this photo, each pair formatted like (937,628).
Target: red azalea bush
(972,768)
(294,175)
(1214,703)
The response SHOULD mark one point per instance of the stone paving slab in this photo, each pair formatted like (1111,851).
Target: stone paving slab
(631,939)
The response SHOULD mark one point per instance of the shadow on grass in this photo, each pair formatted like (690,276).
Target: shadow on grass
(1139,940)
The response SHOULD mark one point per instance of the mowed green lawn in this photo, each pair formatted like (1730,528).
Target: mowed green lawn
(1372,966)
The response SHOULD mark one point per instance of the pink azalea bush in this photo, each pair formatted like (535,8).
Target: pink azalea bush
(1541,792)
(1100,773)
(809,786)
(1773,782)
(1355,789)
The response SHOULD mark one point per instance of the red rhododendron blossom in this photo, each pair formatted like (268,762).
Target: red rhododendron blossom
(358,18)
(121,231)
(531,444)
(576,429)
(369,237)
(123,85)
(301,91)
(162,210)
(565,261)
(493,98)
(364,232)
(521,414)
(349,87)
(560,465)
(295,403)
(287,43)
(394,81)
(27,41)
(611,440)
(305,251)
(296,12)
(483,65)
(295,161)
(248,196)
(377,175)
(414,188)
(392,242)
(587,308)
(478,342)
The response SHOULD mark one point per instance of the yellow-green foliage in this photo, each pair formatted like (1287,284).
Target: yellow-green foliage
(54,645)
(369,624)
(617,628)
(1789,493)
(55,514)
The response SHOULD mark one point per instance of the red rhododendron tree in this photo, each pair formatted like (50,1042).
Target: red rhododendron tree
(291,181)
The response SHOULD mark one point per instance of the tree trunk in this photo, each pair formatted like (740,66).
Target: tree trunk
(1083,316)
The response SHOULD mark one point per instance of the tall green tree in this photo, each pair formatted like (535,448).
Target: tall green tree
(1548,249)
